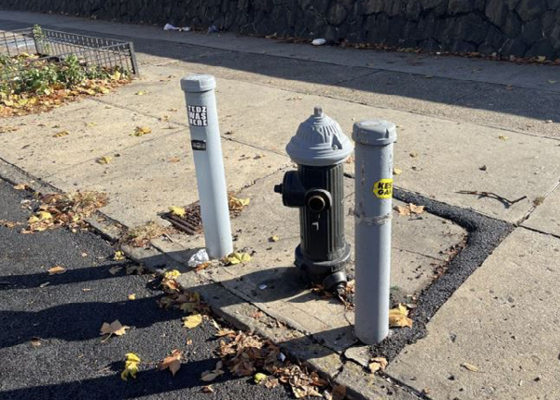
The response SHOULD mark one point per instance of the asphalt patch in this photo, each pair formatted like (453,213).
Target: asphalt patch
(484,235)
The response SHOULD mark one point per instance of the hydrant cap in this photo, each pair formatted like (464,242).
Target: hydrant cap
(198,83)
(319,141)
(374,132)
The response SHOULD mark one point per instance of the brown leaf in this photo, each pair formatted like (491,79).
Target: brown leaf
(21,186)
(114,328)
(173,362)
(410,209)
(378,364)
(207,389)
(57,269)
(398,317)
(339,392)
(209,376)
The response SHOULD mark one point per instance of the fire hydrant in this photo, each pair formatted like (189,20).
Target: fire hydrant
(320,148)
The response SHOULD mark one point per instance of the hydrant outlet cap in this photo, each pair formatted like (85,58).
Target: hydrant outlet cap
(319,142)
(375,132)
(198,83)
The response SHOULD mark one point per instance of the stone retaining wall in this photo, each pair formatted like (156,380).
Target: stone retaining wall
(507,27)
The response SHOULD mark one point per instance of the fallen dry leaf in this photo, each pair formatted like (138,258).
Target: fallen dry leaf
(397,171)
(8,224)
(410,209)
(114,270)
(173,362)
(178,211)
(470,367)
(273,238)
(35,342)
(503,137)
(114,328)
(141,93)
(141,131)
(21,186)
(237,258)
(259,378)
(398,317)
(339,392)
(130,366)
(57,269)
(378,364)
(61,134)
(192,321)
(119,256)
(132,296)
(104,160)
(207,389)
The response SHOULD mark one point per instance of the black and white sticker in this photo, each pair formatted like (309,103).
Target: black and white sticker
(197,116)
(198,145)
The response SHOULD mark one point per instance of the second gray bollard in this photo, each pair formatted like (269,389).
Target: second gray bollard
(373,212)
(207,150)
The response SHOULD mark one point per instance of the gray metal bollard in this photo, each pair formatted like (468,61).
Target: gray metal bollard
(207,149)
(373,212)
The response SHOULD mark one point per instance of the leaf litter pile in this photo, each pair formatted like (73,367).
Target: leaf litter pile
(64,210)
(243,354)
(33,84)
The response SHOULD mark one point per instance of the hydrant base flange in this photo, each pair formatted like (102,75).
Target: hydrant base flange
(329,274)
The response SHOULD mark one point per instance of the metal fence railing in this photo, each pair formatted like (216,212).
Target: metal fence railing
(48,44)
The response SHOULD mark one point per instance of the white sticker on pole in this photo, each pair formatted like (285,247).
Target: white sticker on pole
(197,116)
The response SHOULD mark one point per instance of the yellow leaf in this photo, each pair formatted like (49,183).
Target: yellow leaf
(470,367)
(244,202)
(130,366)
(61,134)
(57,269)
(398,317)
(171,274)
(238,258)
(274,238)
(397,171)
(503,137)
(44,215)
(173,362)
(259,378)
(114,328)
(33,219)
(141,93)
(141,131)
(116,76)
(132,296)
(178,211)
(21,186)
(104,160)
(90,124)
(118,256)
(192,321)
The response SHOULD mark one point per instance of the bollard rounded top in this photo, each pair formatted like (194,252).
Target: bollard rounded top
(319,141)
(374,132)
(198,83)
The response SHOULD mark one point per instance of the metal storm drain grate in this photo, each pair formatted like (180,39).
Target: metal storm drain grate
(191,222)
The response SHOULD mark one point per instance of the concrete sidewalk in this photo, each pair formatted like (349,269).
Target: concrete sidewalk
(455,116)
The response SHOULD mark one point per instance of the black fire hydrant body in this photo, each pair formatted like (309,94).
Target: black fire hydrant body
(320,149)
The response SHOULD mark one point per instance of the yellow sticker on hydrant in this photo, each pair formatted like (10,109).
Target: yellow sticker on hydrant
(383,188)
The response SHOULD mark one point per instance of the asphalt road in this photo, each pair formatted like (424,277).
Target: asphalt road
(63,314)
